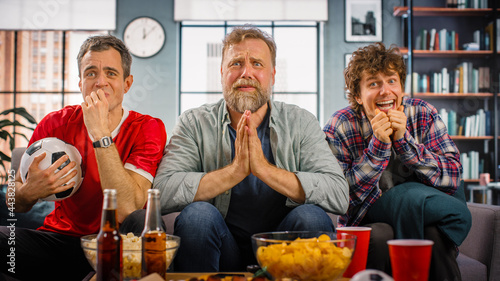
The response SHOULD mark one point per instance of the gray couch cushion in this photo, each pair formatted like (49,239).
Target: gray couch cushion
(471,269)
(483,241)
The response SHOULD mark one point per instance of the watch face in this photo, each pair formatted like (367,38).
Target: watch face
(144,37)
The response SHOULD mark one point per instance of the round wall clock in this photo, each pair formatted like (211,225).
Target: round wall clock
(144,37)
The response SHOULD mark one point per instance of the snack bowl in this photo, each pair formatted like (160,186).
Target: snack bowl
(304,255)
(132,252)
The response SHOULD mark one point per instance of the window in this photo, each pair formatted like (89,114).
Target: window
(297,62)
(33,78)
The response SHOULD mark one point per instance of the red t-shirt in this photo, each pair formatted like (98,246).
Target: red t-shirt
(140,141)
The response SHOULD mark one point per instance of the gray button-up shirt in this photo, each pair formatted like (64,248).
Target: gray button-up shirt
(201,143)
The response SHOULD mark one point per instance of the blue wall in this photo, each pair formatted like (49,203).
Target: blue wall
(155,88)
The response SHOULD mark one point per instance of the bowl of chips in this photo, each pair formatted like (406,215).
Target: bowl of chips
(304,255)
(132,252)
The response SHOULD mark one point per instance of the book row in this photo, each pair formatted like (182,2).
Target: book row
(475,4)
(475,125)
(464,78)
(471,164)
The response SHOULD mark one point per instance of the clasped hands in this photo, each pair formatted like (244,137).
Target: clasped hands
(249,157)
(391,126)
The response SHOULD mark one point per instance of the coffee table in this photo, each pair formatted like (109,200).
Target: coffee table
(178,276)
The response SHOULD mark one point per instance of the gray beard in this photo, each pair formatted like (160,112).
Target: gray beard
(240,101)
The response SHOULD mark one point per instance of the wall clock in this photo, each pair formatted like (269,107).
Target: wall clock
(144,36)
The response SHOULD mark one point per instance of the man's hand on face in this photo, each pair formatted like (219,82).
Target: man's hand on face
(398,121)
(96,114)
(381,126)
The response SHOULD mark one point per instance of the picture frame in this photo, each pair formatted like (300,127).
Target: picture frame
(363,20)
(347,58)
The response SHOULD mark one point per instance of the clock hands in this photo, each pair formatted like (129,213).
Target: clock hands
(147,33)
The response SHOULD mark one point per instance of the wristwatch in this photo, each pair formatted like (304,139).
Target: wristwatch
(104,142)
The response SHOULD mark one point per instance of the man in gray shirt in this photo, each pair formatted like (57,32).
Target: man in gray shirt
(246,164)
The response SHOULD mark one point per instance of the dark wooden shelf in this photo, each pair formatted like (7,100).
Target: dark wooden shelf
(471,180)
(435,11)
(446,53)
(471,138)
(452,95)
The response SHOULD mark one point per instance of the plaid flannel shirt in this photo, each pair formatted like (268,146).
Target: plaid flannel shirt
(425,149)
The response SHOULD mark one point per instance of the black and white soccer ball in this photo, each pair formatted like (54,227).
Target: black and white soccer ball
(55,149)
(371,275)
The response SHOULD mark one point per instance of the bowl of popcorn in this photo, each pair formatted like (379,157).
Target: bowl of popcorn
(132,252)
(304,255)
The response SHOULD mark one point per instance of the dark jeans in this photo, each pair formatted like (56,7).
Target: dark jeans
(207,245)
(42,255)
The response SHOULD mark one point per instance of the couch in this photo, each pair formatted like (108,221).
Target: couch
(479,257)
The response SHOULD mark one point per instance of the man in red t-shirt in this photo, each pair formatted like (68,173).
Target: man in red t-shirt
(120,150)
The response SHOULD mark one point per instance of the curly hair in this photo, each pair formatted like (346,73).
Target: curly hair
(101,43)
(372,59)
(248,31)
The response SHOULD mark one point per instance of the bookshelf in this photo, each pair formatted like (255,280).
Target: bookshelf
(445,53)
(436,71)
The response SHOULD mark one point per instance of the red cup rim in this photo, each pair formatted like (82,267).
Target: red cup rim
(410,242)
(354,228)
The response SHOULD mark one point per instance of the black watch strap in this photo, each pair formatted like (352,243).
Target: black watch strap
(104,142)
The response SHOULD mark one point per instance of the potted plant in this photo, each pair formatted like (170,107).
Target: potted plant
(7,135)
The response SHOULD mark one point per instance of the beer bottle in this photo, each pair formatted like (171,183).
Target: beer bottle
(109,241)
(154,238)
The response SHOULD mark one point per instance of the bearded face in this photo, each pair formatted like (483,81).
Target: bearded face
(239,98)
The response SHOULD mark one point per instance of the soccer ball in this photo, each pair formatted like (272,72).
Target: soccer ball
(55,149)
(370,275)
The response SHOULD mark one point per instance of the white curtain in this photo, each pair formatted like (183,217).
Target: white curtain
(251,10)
(57,14)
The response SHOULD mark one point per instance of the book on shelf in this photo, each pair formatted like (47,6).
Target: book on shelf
(462,79)
(443,38)
(436,40)
(451,3)
(484,79)
(445,80)
(498,35)
(475,125)
(462,4)
(472,166)
(489,33)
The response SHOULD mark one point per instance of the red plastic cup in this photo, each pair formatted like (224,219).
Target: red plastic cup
(410,259)
(358,262)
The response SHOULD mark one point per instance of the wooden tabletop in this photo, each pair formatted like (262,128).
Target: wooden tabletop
(177,276)
(174,276)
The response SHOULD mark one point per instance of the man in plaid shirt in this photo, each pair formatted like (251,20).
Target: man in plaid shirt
(384,140)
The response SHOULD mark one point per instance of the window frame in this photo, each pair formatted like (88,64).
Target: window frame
(63,91)
(227,25)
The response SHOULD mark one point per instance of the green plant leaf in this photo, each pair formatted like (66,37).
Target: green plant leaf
(8,135)
(20,111)
(4,157)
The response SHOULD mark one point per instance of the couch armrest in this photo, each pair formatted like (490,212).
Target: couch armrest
(483,241)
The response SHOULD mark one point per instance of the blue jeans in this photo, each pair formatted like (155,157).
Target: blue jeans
(207,245)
